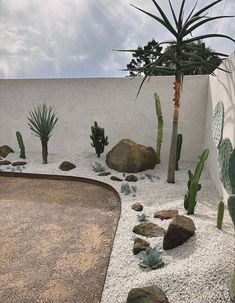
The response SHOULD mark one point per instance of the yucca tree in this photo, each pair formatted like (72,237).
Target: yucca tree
(42,121)
(180,52)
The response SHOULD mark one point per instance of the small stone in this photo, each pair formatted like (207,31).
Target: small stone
(150,294)
(19,163)
(131,178)
(104,173)
(5,150)
(114,178)
(137,207)
(149,230)
(66,166)
(139,245)
(5,162)
(181,228)
(166,214)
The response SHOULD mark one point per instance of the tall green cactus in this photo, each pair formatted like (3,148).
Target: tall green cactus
(21,145)
(220,215)
(178,150)
(226,170)
(193,184)
(160,127)
(99,141)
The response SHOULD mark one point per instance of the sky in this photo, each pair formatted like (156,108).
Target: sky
(78,38)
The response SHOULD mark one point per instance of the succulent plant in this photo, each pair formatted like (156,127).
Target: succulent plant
(220,215)
(21,145)
(99,141)
(97,167)
(142,218)
(150,258)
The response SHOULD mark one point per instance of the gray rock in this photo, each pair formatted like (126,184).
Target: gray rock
(180,229)
(66,166)
(104,173)
(131,178)
(19,163)
(137,207)
(150,294)
(5,162)
(5,150)
(114,178)
(149,230)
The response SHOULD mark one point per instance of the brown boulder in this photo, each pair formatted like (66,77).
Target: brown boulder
(137,206)
(5,162)
(166,214)
(127,156)
(66,166)
(139,245)
(150,294)
(19,163)
(5,150)
(179,231)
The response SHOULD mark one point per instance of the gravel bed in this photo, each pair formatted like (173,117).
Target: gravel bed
(196,272)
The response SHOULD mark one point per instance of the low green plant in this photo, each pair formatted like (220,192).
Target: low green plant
(42,120)
(142,218)
(99,140)
(21,145)
(193,184)
(178,150)
(220,215)
(97,167)
(151,258)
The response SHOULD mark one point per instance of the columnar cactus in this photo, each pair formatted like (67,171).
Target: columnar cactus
(160,127)
(21,145)
(226,168)
(220,215)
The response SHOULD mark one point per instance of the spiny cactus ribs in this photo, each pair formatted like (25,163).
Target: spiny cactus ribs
(218,124)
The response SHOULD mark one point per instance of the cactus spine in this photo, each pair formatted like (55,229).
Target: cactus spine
(226,169)
(160,127)
(99,141)
(178,150)
(220,215)
(193,185)
(21,145)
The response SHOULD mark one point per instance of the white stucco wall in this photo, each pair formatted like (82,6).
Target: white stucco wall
(110,101)
(222,88)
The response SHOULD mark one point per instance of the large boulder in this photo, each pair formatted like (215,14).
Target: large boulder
(179,231)
(150,294)
(5,150)
(127,156)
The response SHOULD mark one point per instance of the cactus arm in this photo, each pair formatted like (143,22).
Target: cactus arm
(21,145)
(231,207)
(160,127)
(231,171)
(220,215)
(225,151)
(218,124)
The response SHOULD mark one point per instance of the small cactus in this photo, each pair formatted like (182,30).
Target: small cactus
(99,141)
(220,215)
(21,145)
(151,258)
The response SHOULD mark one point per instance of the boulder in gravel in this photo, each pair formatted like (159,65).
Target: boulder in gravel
(127,156)
(181,228)
(19,163)
(149,230)
(114,178)
(5,162)
(137,207)
(104,173)
(166,214)
(5,150)
(139,245)
(66,166)
(150,294)
(131,178)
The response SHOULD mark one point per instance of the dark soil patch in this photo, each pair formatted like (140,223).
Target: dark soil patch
(55,239)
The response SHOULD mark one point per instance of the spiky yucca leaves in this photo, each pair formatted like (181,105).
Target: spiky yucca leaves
(42,120)
(181,55)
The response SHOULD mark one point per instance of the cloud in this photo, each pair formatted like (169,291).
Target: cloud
(76,38)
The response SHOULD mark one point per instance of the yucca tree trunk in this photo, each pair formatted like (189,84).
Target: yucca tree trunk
(44,150)
(177,89)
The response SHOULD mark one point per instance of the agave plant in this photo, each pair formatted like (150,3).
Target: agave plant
(180,52)
(151,258)
(42,120)
(142,218)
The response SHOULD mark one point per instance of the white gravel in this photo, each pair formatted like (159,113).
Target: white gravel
(196,272)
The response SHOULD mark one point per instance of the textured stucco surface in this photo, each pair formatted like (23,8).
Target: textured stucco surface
(110,101)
